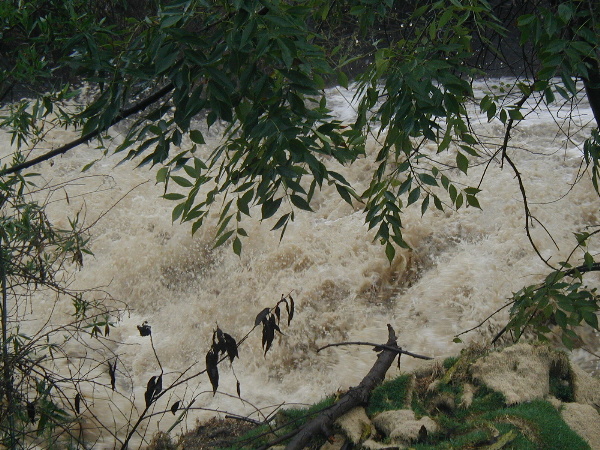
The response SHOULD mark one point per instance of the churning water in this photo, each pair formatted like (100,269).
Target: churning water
(462,266)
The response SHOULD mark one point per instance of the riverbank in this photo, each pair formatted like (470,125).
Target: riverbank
(525,396)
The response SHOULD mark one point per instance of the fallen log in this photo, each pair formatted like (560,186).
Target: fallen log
(355,396)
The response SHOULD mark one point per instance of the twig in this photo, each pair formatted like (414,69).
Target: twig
(244,419)
(486,319)
(378,347)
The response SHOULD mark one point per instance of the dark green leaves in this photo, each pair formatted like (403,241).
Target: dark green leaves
(462,162)
(197,137)
(300,202)
(270,207)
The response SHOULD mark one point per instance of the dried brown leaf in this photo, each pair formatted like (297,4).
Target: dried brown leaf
(112,369)
(261,316)
(212,360)
(145,329)
(230,346)
(149,394)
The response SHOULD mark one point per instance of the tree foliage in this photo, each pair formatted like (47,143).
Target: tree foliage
(259,69)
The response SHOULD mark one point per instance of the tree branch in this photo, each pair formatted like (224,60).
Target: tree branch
(151,99)
(378,347)
(354,397)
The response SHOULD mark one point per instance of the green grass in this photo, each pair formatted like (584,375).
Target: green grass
(390,395)
(487,422)
(287,420)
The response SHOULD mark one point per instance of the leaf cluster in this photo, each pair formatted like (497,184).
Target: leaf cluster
(560,304)
(222,344)
(269,319)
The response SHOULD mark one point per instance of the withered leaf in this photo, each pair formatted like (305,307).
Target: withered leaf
(291,313)
(422,434)
(273,324)
(112,368)
(261,316)
(230,346)
(219,334)
(212,359)
(219,345)
(238,388)
(31,411)
(399,355)
(78,403)
(149,394)
(175,407)
(277,313)
(106,329)
(144,329)
(158,386)
(268,335)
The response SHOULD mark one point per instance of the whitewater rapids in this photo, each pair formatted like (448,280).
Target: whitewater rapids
(462,266)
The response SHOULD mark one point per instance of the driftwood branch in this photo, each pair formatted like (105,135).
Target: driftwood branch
(356,396)
(378,347)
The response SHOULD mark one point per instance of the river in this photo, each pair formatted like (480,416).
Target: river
(462,266)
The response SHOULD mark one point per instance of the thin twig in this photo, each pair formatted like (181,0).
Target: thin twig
(378,347)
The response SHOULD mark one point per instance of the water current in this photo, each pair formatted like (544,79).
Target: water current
(462,266)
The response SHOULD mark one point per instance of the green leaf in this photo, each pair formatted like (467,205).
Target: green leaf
(414,195)
(173,196)
(299,202)
(177,211)
(342,79)
(459,201)
(424,205)
(89,165)
(223,238)
(237,246)
(462,162)
(565,11)
(197,224)
(183,182)
(472,201)
(567,342)
(282,221)
(197,137)
(589,260)
(590,318)
(453,193)
(390,252)
(561,319)
(270,207)
(343,191)
(427,179)
(161,174)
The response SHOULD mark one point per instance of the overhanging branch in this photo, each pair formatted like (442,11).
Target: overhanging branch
(145,103)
